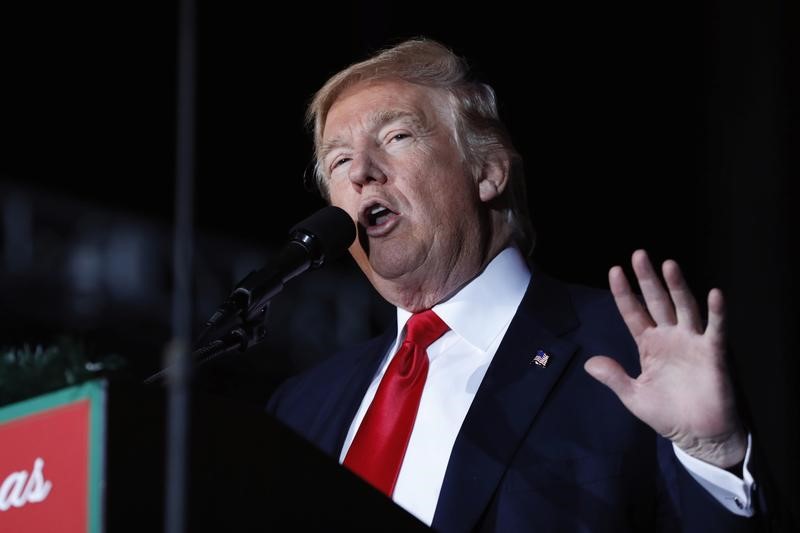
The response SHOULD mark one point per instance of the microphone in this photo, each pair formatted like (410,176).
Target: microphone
(322,237)
(239,321)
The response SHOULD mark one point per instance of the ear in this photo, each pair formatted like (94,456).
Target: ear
(494,176)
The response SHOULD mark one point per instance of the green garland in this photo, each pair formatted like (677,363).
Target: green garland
(27,372)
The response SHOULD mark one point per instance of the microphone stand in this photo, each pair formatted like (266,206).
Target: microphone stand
(240,322)
(215,342)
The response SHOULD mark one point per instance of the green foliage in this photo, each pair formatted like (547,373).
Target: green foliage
(27,372)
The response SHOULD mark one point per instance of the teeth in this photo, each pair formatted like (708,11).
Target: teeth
(376,213)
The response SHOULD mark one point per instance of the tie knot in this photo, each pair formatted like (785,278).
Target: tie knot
(424,328)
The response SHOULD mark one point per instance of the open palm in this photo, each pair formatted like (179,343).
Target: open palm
(684,391)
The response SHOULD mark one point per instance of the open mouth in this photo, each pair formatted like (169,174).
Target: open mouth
(376,214)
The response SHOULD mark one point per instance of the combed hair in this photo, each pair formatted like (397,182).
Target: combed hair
(479,131)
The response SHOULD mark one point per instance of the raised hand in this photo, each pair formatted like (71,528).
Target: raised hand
(684,391)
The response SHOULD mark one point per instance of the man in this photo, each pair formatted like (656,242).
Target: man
(499,425)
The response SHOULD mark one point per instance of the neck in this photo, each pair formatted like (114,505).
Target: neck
(418,292)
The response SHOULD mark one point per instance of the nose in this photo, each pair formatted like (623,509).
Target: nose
(365,168)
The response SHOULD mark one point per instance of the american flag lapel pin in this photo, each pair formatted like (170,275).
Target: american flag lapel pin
(541,358)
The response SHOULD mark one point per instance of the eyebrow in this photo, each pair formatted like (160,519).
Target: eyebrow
(375,121)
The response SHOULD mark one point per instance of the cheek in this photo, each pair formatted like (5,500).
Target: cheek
(450,191)
(339,197)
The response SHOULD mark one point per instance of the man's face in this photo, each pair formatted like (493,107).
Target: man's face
(389,151)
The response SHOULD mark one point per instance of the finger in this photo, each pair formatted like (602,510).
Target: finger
(716,317)
(608,372)
(635,316)
(658,302)
(685,303)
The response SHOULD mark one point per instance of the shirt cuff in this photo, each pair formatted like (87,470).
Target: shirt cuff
(734,493)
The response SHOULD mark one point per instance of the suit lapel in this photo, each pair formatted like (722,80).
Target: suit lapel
(506,404)
(339,414)
(356,386)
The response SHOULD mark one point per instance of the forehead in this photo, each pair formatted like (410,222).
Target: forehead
(367,105)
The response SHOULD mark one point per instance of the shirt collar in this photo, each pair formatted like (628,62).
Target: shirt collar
(497,292)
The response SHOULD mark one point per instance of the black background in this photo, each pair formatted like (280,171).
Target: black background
(605,102)
(668,126)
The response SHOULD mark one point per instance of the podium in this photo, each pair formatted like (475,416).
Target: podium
(90,458)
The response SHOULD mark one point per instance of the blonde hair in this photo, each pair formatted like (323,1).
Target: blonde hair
(479,131)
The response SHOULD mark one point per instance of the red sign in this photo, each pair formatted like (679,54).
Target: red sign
(44,466)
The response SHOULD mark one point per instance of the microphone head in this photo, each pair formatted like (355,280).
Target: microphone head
(327,234)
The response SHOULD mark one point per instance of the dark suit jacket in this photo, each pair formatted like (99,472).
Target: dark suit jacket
(542,448)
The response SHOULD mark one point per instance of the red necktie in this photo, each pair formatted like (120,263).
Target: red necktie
(379,445)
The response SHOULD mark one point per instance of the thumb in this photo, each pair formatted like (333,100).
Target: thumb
(608,372)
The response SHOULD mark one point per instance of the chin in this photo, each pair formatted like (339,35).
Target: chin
(393,263)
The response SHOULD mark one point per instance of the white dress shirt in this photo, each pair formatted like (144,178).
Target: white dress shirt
(458,362)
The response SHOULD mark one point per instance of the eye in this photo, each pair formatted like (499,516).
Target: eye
(339,162)
(399,137)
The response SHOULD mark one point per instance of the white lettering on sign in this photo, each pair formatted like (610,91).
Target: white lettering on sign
(20,487)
